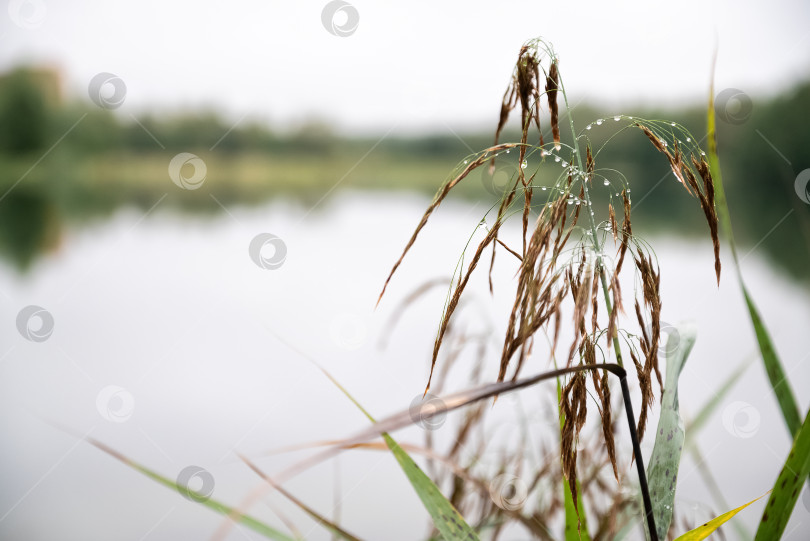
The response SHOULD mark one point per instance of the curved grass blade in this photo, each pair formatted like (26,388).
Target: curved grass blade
(704,531)
(773,367)
(446,518)
(320,519)
(662,474)
(250,522)
(787,488)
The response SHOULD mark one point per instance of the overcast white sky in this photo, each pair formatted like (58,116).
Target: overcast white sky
(416,64)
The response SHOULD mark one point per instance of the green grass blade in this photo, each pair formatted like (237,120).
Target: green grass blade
(250,522)
(787,488)
(446,518)
(704,531)
(576,524)
(662,474)
(773,367)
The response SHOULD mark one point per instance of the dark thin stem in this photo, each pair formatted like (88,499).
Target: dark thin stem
(616,370)
(642,477)
(460,399)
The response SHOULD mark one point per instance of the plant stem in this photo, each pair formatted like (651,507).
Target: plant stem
(616,346)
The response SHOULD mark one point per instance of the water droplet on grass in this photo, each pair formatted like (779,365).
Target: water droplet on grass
(607,183)
(617,118)
(599,122)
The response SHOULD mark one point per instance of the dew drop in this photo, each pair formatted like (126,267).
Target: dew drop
(702,153)
(671,123)
(570,201)
(607,182)
(588,127)
(599,122)
(507,151)
(564,164)
(577,203)
(617,118)
(688,139)
(523,164)
(465,162)
(556,158)
(543,188)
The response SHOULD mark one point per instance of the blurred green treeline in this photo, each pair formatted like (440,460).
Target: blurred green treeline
(66,162)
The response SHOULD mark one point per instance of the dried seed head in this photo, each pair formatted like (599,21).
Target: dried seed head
(573,407)
(552,82)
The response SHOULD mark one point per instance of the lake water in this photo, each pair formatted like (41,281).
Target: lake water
(173,346)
